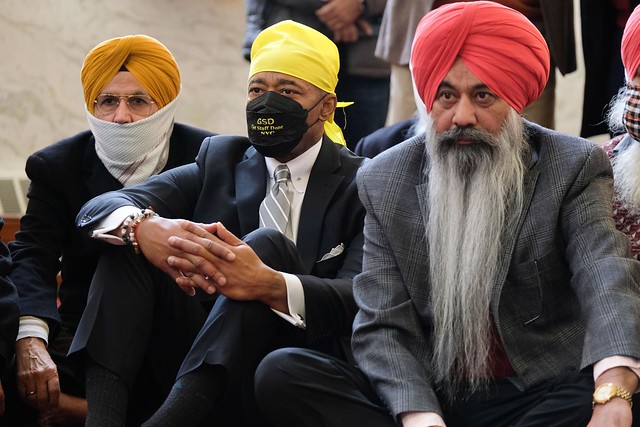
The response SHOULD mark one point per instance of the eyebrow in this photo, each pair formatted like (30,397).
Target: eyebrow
(478,86)
(281,82)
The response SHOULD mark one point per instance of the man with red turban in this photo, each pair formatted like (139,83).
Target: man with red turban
(495,289)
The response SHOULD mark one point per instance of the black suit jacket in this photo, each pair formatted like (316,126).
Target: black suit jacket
(378,141)
(8,308)
(228,182)
(64,176)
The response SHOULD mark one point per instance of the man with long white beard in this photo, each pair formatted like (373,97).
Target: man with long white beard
(495,289)
(624,150)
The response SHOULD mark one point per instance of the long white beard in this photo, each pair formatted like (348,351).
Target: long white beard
(475,192)
(626,174)
(132,152)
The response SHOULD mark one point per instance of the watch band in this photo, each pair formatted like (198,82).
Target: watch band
(605,392)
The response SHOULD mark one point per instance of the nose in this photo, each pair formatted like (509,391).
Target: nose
(464,113)
(122,113)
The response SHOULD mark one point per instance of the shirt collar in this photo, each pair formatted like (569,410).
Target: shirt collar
(625,143)
(300,167)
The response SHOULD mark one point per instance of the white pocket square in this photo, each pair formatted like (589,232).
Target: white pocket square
(333,252)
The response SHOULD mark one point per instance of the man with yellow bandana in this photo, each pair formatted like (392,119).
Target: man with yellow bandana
(285,283)
(131,86)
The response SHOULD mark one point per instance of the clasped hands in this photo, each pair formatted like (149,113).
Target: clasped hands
(210,257)
(344,19)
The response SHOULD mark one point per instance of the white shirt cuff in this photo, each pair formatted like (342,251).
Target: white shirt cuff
(295,301)
(422,419)
(111,222)
(31,326)
(617,362)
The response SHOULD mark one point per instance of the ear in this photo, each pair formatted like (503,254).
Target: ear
(329,104)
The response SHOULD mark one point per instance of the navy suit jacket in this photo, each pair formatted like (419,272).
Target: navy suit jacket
(228,182)
(64,176)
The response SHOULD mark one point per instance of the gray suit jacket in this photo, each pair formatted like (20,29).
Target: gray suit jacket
(567,288)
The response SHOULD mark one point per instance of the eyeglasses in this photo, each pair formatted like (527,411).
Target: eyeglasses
(107,103)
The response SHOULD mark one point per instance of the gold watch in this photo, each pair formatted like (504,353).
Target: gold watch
(605,392)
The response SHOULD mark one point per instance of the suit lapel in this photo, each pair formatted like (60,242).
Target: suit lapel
(251,187)
(323,183)
(511,233)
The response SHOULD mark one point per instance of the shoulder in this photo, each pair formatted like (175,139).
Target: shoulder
(185,131)
(403,160)
(384,138)
(65,151)
(561,147)
(224,147)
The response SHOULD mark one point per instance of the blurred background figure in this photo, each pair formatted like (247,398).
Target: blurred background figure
(602,25)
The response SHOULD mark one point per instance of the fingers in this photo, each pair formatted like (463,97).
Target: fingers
(228,237)
(53,391)
(364,26)
(213,245)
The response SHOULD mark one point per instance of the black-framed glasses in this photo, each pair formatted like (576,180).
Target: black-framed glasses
(108,103)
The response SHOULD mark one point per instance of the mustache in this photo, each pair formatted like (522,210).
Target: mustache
(451,136)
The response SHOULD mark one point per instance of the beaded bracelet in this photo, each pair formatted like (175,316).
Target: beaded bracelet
(129,225)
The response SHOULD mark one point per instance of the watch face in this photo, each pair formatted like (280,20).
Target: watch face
(603,392)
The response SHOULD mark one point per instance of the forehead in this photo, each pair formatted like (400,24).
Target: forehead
(272,78)
(124,83)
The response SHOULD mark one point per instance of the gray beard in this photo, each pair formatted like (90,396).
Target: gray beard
(627,178)
(475,193)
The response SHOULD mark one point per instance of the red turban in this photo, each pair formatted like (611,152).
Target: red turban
(630,46)
(499,45)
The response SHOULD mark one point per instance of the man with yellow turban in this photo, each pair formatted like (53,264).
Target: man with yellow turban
(495,289)
(289,191)
(131,86)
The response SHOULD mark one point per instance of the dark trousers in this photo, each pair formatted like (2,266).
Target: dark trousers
(139,325)
(238,334)
(298,387)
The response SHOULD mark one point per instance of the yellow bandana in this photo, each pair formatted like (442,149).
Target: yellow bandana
(300,51)
(146,58)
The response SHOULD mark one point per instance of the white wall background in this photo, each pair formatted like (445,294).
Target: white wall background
(43,43)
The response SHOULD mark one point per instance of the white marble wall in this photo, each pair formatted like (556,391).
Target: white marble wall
(43,44)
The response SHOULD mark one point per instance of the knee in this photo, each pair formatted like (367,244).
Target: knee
(273,248)
(279,373)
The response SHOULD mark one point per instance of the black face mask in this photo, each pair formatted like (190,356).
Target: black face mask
(276,123)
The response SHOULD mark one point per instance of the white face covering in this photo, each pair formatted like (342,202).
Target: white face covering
(132,152)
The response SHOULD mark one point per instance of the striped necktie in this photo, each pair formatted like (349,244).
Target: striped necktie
(276,206)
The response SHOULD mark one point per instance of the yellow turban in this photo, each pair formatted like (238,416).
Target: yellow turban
(146,58)
(300,51)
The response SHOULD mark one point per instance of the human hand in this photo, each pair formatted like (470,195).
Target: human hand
(36,374)
(615,413)
(337,14)
(153,236)
(242,276)
(351,32)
